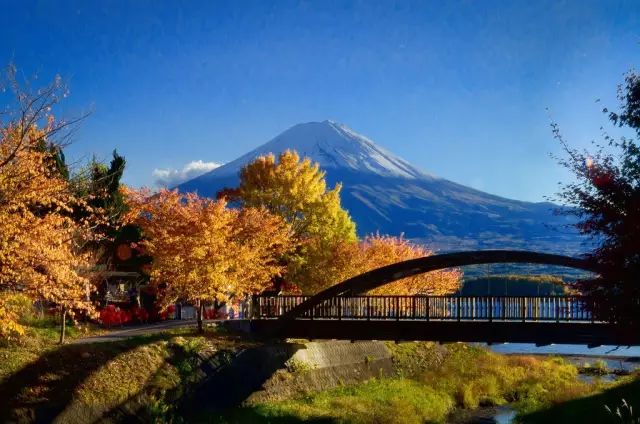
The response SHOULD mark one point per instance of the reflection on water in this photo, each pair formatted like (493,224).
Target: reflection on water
(562,349)
(607,378)
(484,415)
(504,415)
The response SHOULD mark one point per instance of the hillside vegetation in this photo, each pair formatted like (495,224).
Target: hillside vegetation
(514,285)
(153,377)
(144,376)
(431,382)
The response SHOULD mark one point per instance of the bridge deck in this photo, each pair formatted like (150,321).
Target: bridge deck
(492,319)
(427,308)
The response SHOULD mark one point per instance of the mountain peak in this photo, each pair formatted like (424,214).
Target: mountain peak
(384,193)
(332,145)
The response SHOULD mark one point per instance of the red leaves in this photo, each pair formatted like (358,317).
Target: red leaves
(210,313)
(124,252)
(140,314)
(112,315)
(601,179)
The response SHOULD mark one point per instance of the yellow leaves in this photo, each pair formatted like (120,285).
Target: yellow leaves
(327,250)
(328,266)
(9,326)
(203,250)
(384,250)
(296,190)
(40,251)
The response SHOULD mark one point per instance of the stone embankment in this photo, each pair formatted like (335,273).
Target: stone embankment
(317,366)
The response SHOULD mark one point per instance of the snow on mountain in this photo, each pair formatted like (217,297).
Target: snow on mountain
(387,194)
(332,145)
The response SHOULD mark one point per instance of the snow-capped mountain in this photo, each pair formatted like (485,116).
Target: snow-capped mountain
(333,146)
(387,194)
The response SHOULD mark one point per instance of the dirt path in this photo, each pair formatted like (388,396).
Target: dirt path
(139,330)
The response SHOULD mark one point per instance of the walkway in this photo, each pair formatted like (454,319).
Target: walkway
(541,320)
(134,331)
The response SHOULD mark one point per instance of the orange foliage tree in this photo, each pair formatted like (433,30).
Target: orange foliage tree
(327,249)
(296,190)
(202,250)
(350,259)
(40,243)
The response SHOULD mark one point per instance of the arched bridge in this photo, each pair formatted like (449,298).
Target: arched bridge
(343,312)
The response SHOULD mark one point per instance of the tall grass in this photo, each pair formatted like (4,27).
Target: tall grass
(433,380)
(605,406)
(375,401)
(476,377)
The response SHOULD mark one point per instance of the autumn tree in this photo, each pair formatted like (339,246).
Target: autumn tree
(297,191)
(605,197)
(203,251)
(40,243)
(350,259)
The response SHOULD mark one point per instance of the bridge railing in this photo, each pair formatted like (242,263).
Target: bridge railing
(450,308)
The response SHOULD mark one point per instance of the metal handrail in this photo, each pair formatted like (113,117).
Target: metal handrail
(546,308)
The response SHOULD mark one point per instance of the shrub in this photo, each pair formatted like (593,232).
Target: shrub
(387,400)
(494,379)
(139,314)
(112,315)
(297,366)
(15,309)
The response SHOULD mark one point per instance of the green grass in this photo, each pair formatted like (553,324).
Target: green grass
(142,375)
(41,335)
(591,409)
(78,383)
(375,401)
(477,377)
(431,381)
(380,400)
(474,376)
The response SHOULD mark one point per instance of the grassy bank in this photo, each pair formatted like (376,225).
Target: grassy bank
(75,383)
(431,382)
(592,409)
(375,401)
(474,376)
(42,335)
(150,376)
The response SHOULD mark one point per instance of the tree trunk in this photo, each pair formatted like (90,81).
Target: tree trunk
(63,325)
(200,310)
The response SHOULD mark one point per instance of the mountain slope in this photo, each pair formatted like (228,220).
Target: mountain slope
(387,194)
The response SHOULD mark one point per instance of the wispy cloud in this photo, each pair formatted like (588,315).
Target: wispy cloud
(170,177)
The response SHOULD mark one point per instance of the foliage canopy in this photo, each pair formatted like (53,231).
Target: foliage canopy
(296,190)
(606,199)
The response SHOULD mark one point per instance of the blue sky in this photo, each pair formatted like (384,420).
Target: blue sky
(460,89)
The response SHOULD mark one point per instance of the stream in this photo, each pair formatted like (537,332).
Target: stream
(483,415)
(616,357)
(629,353)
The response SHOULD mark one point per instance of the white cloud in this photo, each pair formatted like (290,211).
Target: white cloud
(170,177)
